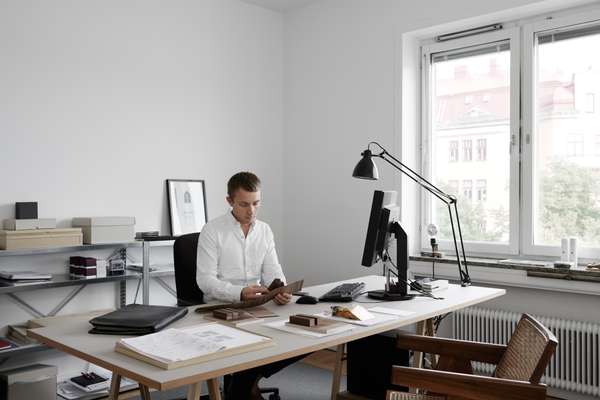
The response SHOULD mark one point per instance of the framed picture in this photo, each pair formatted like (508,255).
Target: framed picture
(187,205)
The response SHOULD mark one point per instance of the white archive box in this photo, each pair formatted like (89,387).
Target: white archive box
(106,229)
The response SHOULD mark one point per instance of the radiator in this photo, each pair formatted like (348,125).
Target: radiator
(576,363)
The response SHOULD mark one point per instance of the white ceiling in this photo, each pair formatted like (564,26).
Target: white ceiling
(281,5)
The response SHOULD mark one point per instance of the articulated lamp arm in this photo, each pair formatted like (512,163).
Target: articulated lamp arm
(366,169)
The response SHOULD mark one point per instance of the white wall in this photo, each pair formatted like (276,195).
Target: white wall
(347,82)
(103,101)
(351,76)
(100,102)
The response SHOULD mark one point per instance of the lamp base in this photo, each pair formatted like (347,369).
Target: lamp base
(387,296)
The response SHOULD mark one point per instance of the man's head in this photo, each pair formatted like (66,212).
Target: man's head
(243,195)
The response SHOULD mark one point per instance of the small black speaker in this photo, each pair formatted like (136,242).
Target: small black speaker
(26,210)
(369,365)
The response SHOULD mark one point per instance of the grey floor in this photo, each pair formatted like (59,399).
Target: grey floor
(297,382)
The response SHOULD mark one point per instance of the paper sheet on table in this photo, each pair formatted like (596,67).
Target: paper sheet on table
(280,325)
(391,311)
(173,345)
(377,319)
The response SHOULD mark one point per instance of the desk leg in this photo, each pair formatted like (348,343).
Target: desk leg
(194,391)
(115,384)
(213,389)
(144,392)
(337,371)
(424,328)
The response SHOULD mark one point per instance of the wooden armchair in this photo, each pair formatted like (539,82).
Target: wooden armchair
(519,366)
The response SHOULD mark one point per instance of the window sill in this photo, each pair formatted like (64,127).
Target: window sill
(486,270)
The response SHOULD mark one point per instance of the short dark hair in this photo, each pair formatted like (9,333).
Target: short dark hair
(243,180)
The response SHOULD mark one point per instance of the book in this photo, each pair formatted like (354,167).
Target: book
(5,344)
(525,263)
(24,275)
(90,382)
(179,347)
(282,325)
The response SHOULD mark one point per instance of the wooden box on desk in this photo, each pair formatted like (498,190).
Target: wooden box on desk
(40,238)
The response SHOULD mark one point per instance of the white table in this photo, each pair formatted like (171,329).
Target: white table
(71,337)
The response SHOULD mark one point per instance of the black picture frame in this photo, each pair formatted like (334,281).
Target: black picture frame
(187,205)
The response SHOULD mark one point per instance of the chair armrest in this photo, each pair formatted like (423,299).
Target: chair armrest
(468,386)
(475,351)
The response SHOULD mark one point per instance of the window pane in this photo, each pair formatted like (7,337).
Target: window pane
(567,145)
(471,113)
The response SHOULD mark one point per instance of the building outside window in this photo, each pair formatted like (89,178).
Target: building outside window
(528,92)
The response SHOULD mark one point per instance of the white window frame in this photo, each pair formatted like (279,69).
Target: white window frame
(528,121)
(513,36)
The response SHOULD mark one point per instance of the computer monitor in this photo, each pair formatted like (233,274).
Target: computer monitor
(383,224)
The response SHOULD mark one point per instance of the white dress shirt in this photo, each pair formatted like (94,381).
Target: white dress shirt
(228,261)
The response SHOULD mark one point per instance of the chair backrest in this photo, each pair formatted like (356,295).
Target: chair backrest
(185,252)
(528,351)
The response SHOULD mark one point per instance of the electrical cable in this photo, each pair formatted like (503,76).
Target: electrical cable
(412,284)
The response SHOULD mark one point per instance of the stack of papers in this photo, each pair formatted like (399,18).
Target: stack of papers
(173,348)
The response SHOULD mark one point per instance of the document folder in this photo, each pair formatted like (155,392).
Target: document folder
(136,319)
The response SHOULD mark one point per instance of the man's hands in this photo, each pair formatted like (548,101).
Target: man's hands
(255,291)
(282,298)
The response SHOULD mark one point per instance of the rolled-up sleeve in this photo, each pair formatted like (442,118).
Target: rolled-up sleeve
(271,269)
(207,269)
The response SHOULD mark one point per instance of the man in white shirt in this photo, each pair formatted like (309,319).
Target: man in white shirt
(236,261)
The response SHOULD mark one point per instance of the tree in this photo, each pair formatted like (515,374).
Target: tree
(568,203)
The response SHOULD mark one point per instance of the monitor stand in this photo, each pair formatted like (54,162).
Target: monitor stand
(395,291)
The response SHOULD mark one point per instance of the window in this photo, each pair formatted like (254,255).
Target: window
(575,145)
(467,150)
(467,189)
(589,103)
(481,149)
(453,187)
(453,154)
(564,175)
(532,92)
(480,70)
(481,190)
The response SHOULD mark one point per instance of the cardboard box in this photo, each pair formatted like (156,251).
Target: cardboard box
(35,381)
(22,224)
(106,229)
(40,238)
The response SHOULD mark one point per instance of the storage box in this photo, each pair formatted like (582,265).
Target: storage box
(21,224)
(35,381)
(40,238)
(106,229)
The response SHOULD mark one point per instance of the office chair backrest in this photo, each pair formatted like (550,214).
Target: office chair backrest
(528,351)
(185,251)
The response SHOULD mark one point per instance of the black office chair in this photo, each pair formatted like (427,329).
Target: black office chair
(185,253)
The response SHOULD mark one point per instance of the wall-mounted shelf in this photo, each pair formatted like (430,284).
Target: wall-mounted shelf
(24,349)
(61,280)
(67,249)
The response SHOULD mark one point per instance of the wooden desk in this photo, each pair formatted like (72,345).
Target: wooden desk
(72,338)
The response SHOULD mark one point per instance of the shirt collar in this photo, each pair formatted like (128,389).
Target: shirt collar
(235,222)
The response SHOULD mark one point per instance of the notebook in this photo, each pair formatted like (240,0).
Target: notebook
(136,319)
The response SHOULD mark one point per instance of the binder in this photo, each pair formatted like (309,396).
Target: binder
(136,319)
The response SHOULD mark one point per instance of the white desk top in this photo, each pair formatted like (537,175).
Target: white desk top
(71,336)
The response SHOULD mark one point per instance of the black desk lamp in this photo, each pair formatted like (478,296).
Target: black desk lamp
(366,169)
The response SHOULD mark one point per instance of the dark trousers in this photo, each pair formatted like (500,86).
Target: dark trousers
(239,385)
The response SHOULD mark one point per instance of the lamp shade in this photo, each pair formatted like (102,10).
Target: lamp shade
(366,168)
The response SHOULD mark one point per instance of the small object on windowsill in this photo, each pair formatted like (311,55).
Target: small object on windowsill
(595,267)
(563,264)
(433,254)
